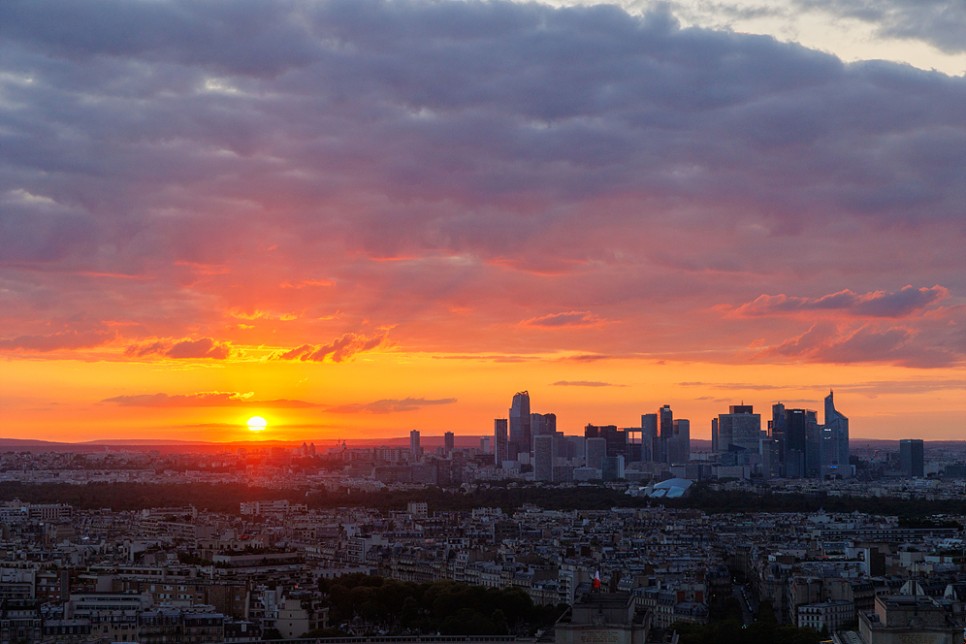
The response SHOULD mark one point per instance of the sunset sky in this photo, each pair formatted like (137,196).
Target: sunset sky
(354,218)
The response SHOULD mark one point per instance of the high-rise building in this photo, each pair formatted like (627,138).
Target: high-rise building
(519,424)
(543,457)
(596,452)
(615,438)
(414,449)
(835,442)
(739,430)
(500,452)
(679,445)
(649,438)
(449,442)
(799,424)
(665,431)
(911,460)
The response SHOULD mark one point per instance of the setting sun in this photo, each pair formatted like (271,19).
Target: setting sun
(257,424)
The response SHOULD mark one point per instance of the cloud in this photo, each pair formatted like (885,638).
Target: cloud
(941,23)
(68,339)
(206,348)
(204,399)
(568,319)
(461,165)
(865,343)
(341,349)
(904,302)
(391,406)
(584,383)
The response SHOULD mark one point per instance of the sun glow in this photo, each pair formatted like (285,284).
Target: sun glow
(257,424)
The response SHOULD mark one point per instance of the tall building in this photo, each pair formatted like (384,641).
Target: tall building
(500,452)
(776,432)
(519,424)
(449,442)
(799,424)
(543,457)
(665,431)
(649,438)
(596,452)
(679,445)
(911,460)
(835,442)
(414,449)
(739,430)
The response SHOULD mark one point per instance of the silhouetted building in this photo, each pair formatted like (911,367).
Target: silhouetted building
(835,442)
(449,442)
(799,424)
(543,457)
(911,460)
(649,438)
(665,418)
(500,452)
(414,449)
(519,424)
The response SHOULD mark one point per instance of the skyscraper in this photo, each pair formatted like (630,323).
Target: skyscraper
(798,425)
(449,442)
(739,429)
(543,457)
(520,436)
(911,460)
(500,441)
(649,438)
(679,445)
(414,449)
(666,431)
(835,442)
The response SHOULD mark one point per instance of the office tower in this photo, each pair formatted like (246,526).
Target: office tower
(714,436)
(543,457)
(835,442)
(486,444)
(739,430)
(649,438)
(776,432)
(679,445)
(799,425)
(612,468)
(414,449)
(500,453)
(449,442)
(911,460)
(615,439)
(519,424)
(665,431)
(596,452)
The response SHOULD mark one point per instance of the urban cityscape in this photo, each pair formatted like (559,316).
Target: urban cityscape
(762,528)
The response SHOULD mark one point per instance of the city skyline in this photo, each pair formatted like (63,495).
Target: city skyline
(357,218)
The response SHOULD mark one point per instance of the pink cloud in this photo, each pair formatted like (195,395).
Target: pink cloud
(569,319)
(901,303)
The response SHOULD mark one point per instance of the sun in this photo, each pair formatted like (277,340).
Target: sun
(257,424)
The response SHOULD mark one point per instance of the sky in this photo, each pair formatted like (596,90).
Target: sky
(356,217)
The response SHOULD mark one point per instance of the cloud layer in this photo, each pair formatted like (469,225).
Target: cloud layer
(207,181)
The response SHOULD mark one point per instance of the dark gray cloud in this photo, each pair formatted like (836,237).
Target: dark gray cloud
(941,23)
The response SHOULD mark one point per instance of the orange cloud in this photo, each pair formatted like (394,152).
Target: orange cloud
(182,349)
